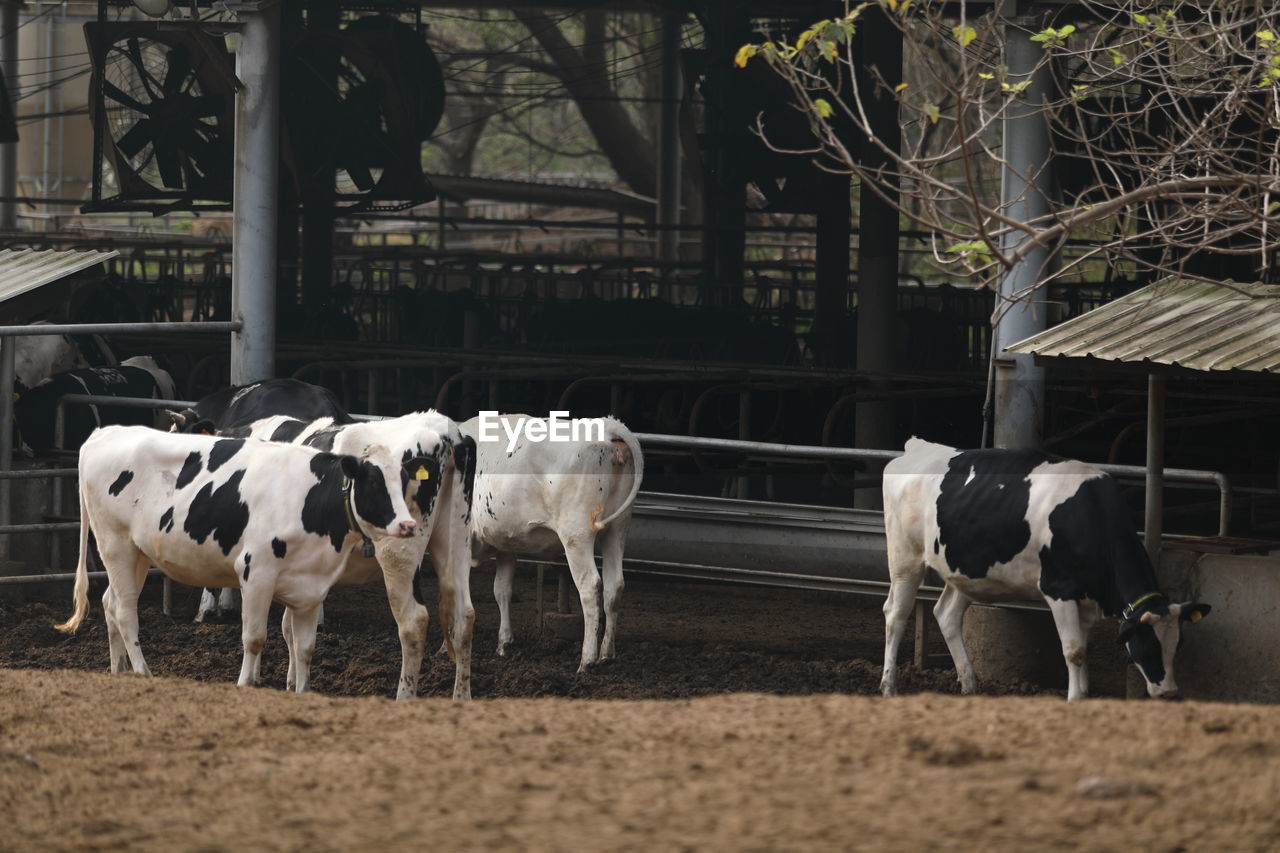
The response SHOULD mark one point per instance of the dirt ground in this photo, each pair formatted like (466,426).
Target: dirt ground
(734,719)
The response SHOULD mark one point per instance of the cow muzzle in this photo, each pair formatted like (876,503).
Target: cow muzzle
(406,529)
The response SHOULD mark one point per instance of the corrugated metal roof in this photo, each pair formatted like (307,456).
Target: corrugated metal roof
(26,269)
(1180,322)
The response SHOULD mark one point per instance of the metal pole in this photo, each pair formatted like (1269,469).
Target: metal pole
(257,166)
(1153,525)
(669,140)
(9,150)
(6,437)
(1025,184)
(879,234)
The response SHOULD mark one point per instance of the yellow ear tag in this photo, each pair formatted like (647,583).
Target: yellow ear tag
(422,473)
(1196,616)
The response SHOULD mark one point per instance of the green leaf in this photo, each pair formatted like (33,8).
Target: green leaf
(823,107)
(1265,35)
(744,55)
(964,35)
(933,112)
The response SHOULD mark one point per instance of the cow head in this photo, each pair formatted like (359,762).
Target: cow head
(374,481)
(182,421)
(1151,633)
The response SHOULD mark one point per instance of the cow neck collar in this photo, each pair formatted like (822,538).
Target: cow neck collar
(348,500)
(1131,609)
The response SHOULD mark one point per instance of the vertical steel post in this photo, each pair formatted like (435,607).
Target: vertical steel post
(1025,187)
(878,236)
(1153,526)
(9,150)
(257,167)
(669,140)
(6,437)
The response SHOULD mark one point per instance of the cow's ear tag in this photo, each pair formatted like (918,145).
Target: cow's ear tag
(422,473)
(16,395)
(1196,616)
(366,549)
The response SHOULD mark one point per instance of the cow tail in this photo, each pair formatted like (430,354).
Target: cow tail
(637,460)
(81,592)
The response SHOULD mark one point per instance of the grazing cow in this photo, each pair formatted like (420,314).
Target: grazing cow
(240,406)
(437,490)
(279,521)
(538,497)
(1001,525)
(36,410)
(243,404)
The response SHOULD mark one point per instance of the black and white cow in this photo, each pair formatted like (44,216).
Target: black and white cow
(539,497)
(437,486)
(1001,525)
(243,404)
(279,521)
(36,409)
(239,406)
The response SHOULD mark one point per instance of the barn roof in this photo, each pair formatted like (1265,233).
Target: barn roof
(1178,322)
(22,270)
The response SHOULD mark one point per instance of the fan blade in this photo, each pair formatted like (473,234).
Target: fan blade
(360,176)
(113,92)
(206,106)
(134,53)
(169,164)
(139,136)
(179,67)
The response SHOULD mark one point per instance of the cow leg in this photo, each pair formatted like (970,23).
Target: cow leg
(303,624)
(949,611)
(450,550)
(122,599)
(399,573)
(1089,614)
(1066,617)
(255,605)
(903,587)
(208,604)
(115,640)
(613,540)
(580,551)
(503,579)
(226,600)
(286,631)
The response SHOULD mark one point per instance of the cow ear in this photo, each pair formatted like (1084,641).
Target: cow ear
(1192,611)
(350,466)
(1149,618)
(1126,631)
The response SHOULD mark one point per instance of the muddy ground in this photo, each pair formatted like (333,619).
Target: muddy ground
(734,719)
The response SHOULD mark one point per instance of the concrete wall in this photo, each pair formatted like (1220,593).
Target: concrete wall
(1233,654)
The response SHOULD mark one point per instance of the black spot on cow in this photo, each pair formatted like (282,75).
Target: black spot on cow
(247,558)
(166,521)
(417,586)
(190,469)
(289,430)
(428,488)
(123,480)
(279,548)
(324,512)
(1094,551)
(244,404)
(223,449)
(35,411)
(982,508)
(323,439)
(219,513)
(937,546)
(464,458)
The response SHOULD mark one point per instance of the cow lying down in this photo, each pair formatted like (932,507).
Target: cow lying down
(279,521)
(1001,525)
(438,466)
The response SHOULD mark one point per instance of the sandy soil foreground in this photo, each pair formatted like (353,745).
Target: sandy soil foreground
(90,761)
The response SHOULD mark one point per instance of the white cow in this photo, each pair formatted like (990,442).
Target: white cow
(279,521)
(436,491)
(37,357)
(537,497)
